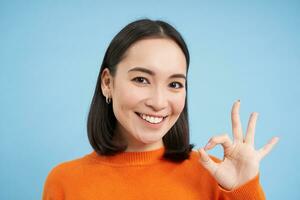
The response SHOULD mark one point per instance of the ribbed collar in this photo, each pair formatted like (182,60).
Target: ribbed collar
(130,158)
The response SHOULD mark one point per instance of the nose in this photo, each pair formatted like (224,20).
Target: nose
(157,100)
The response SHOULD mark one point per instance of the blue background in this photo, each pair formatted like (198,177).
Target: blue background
(50,56)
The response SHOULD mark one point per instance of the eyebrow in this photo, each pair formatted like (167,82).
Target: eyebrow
(148,71)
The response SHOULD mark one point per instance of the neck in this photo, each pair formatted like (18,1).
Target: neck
(137,147)
(134,145)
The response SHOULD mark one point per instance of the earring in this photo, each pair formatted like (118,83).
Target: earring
(108,100)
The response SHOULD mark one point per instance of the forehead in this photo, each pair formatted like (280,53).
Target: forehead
(160,55)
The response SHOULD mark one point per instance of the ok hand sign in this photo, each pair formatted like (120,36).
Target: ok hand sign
(241,159)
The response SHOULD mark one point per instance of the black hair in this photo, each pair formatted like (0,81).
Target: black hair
(101,120)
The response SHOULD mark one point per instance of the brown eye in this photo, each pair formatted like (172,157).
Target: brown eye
(141,80)
(176,85)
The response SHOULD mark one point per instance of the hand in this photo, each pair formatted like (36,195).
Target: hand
(241,159)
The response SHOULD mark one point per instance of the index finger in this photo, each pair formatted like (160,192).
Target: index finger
(236,122)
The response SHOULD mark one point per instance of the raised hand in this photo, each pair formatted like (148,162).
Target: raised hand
(241,159)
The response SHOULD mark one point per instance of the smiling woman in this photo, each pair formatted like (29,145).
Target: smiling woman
(147,100)
(143,72)
(138,127)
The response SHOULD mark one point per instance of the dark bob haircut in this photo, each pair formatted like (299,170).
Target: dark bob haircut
(101,120)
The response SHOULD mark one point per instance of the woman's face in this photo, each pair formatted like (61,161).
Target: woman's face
(148,92)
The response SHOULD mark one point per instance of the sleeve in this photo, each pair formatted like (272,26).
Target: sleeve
(250,190)
(53,187)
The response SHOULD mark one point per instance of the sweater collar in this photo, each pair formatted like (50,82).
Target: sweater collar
(130,158)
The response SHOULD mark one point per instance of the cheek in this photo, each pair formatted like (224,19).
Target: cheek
(178,103)
(127,97)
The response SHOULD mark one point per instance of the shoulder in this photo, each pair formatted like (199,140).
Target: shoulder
(59,177)
(66,168)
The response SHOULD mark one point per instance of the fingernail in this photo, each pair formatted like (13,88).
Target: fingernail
(255,113)
(239,100)
(199,151)
(207,145)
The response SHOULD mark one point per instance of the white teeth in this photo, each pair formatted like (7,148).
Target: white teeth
(153,120)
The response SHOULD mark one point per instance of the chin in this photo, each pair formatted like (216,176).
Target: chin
(147,140)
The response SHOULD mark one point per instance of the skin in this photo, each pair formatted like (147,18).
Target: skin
(155,94)
(241,159)
(159,94)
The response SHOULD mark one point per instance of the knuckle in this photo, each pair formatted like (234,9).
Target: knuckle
(225,135)
(213,138)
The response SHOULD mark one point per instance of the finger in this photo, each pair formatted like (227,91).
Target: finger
(267,148)
(223,139)
(251,129)
(207,162)
(236,122)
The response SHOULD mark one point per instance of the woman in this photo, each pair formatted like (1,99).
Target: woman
(138,128)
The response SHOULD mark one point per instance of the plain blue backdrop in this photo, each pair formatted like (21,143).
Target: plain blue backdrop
(50,56)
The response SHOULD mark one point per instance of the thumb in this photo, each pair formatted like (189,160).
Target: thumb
(207,162)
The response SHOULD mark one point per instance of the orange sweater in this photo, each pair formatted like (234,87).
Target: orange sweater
(140,175)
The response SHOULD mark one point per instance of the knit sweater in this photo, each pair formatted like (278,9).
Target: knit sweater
(140,175)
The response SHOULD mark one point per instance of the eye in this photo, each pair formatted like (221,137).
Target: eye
(141,80)
(176,85)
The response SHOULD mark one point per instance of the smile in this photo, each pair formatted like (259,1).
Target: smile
(151,119)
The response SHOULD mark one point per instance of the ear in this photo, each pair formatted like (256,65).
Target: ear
(106,82)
